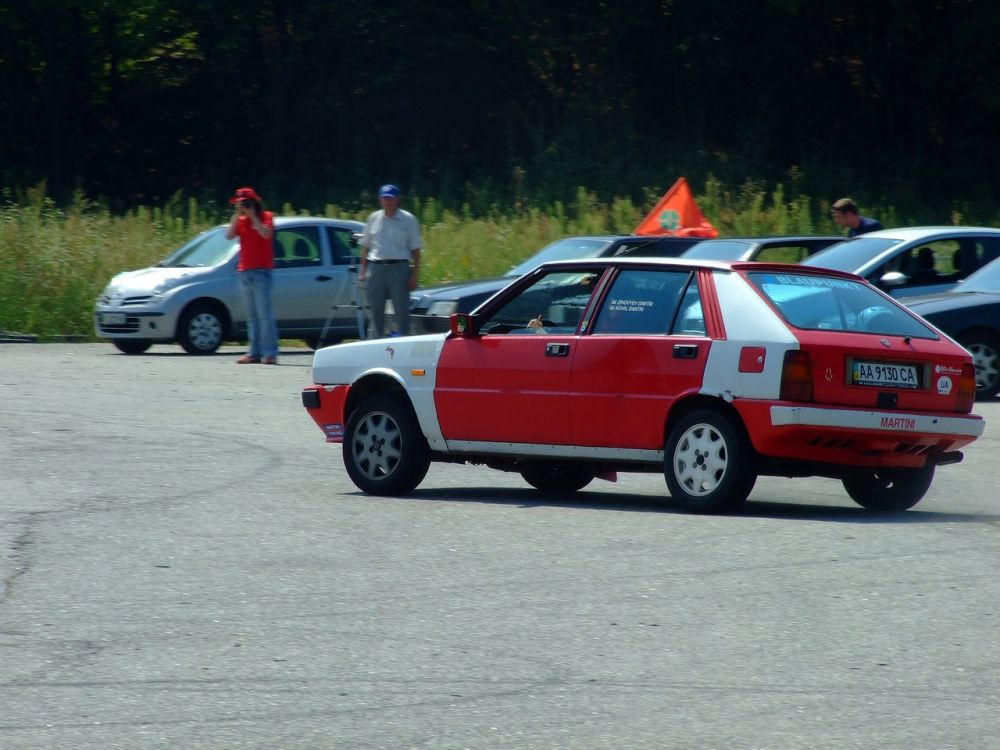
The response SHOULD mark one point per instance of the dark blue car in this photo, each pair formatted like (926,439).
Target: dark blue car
(971,315)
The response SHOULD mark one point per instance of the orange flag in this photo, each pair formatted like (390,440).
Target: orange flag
(678,215)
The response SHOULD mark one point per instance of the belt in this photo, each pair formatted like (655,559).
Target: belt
(387,262)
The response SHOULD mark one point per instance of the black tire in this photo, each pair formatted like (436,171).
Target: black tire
(201,330)
(888,490)
(131,346)
(708,463)
(557,477)
(385,452)
(985,349)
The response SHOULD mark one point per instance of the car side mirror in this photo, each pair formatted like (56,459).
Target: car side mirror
(893,279)
(464,325)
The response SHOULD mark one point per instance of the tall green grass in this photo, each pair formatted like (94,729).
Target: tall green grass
(55,260)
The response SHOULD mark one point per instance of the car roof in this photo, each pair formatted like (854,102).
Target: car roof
(908,234)
(280,221)
(283,220)
(714,265)
(779,238)
(623,237)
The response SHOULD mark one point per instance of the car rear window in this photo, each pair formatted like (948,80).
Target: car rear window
(814,302)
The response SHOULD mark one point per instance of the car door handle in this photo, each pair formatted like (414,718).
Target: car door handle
(556,350)
(685,351)
(324,277)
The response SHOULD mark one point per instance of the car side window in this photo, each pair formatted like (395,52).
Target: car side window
(690,319)
(556,300)
(929,263)
(641,301)
(342,245)
(989,250)
(782,253)
(297,247)
(972,254)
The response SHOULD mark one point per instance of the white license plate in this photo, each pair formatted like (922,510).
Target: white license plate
(885,374)
(113,319)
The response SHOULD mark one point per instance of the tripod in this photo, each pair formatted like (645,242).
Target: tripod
(356,302)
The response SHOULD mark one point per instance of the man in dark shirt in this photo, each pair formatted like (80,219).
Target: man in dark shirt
(845,214)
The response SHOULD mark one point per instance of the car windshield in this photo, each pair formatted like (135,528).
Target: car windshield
(718,250)
(986,279)
(814,302)
(850,255)
(207,249)
(568,249)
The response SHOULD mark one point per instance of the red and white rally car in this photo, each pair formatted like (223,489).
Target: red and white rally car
(713,373)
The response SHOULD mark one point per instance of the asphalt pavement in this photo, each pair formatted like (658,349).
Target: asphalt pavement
(185,564)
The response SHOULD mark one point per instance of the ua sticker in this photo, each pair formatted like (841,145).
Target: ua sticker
(670,219)
(944,385)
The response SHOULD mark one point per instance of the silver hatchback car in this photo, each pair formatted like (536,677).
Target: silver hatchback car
(193,297)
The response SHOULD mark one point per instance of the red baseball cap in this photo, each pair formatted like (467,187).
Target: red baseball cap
(245,194)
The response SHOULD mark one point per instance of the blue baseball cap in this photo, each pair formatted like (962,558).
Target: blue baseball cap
(388,191)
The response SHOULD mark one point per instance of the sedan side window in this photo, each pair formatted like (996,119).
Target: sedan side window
(930,263)
(641,301)
(297,247)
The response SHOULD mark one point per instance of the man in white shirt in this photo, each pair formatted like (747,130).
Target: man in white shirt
(390,261)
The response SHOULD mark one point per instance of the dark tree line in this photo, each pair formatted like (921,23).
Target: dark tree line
(896,101)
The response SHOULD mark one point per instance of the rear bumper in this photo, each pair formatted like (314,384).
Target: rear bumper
(325,404)
(966,426)
(856,437)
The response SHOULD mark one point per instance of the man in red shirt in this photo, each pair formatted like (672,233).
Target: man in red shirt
(255,228)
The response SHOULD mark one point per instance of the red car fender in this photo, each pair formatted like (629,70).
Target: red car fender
(325,404)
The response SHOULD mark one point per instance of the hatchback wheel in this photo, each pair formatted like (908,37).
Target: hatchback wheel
(557,477)
(985,350)
(384,451)
(889,490)
(708,463)
(201,330)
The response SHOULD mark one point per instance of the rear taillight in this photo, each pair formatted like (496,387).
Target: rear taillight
(796,377)
(966,389)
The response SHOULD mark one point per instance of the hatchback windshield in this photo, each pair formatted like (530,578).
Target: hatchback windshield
(851,255)
(568,249)
(207,249)
(986,279)
(824,303)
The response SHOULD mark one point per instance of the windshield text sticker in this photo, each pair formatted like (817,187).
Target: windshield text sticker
(630,305)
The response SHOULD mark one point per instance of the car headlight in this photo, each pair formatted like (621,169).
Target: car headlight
(443,309)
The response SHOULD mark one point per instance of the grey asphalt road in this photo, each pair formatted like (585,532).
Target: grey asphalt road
(185,564)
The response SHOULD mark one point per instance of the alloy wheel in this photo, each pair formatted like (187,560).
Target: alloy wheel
(701,459)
